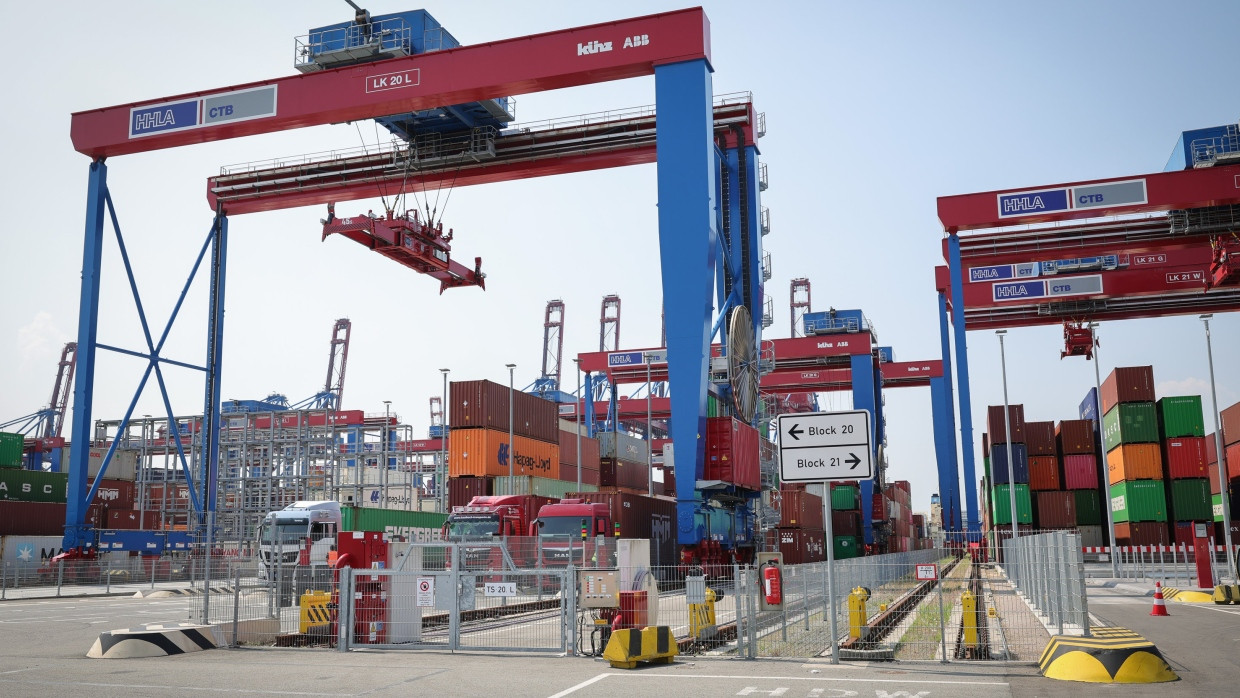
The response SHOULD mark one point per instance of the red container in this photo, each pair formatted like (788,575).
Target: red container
(1185,457)
(43,518)
(132,519)
(846,523)
(995,426)
(1144,533)
(1186,532)
(1080,472)
(463,489)
(1128,384)
(732,453)
(623,473)
(1074,436)
(568,450)
(568,473)
(114,494)
(1044,473)
(669,482)
(1230,418)
(1220,534)
(1213,477)
(485,404)
(639,516)
(1211,450)
(799,545)
(1040,438)
(1054,509)
(1232,455)
(800,510)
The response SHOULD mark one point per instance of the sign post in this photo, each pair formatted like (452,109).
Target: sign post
(825,447)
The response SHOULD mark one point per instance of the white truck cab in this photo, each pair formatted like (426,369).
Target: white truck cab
(303,533)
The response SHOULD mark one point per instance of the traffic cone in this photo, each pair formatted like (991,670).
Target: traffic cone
(1160,606)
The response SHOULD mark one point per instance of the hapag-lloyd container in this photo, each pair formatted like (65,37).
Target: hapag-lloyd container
(1185,457)
(481,452)
(1139,500)
(999,463)
(1080,472)
(799,545)
(1146,533)
(1130,423)
(1088,508)
(1043,473)
(1075,436)
(482,403)
(1040,438)
(1054,509)
(800,510)
(1128,384)
(732,453)
(1181,416)
(1190,500)
(1134,462)
(651,518)
(995,426)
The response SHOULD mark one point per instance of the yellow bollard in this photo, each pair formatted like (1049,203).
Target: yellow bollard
(314,611)
(857,615)
(702,618)
(968,604)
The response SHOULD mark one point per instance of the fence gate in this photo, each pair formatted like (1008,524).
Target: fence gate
(454,608)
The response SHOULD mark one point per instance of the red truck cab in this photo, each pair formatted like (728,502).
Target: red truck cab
(562,527)
(491,519)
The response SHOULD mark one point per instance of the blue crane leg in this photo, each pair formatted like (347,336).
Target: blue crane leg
(215,358)
(753,229)
(687,238)
(77,533)
(973,523)
(947,416)
(864,392)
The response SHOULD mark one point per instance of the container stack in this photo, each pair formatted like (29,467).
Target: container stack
(32,502)
(1181,426)
(846,524)
(1130,438)
(1078,463)
(1004,476)
(1230,420)
(800,535)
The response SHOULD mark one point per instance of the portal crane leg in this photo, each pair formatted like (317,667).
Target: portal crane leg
(945,428)
(866,397)
(687,240)
(973,523)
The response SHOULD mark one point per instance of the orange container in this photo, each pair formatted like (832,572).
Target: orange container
(1043,473)
(1134,462)
(483,452)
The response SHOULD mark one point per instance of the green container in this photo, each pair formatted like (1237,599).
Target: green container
(1181,416)
(1130,423)
(1216,505)
(1190,499)
(33,486)
(11,449)
(1088,509)
(1001,506)
(712,406)
(845,547)
(1139,500)
(845,498)
(986,462)
(544,487)
(415,525)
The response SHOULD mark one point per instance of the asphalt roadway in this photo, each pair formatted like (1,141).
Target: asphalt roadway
(43,644)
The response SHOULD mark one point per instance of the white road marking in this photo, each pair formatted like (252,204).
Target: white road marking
(170,689)
(583,684)
(750,690)
(650,675)
(1208,607)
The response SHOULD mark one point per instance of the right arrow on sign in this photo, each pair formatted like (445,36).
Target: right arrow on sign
(795,430)
(852,460)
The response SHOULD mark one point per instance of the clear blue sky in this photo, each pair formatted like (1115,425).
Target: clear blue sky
(873,111)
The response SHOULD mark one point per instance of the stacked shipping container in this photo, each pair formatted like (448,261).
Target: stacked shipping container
(1137,494)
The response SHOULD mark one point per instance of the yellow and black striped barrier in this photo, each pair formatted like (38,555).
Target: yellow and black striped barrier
(1226,594)
(653,644)
(1111,655)
(314,610)
(1187,595)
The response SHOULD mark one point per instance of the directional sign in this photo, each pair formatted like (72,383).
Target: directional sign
(821,446)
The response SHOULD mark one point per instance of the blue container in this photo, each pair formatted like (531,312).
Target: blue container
(834,321)
(436,431)
(1199,143)
(999,465)
(1089,407)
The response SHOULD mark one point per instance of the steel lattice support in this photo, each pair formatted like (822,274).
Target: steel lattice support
(338,360)
(798,305)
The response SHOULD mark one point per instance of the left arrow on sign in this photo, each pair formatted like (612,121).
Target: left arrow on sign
(796,429)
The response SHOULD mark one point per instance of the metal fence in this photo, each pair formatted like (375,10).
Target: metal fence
(1170,564)
(1048,572)
(108,573)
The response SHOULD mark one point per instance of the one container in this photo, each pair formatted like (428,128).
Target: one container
(1190,500)
(846,547)
(33,486)
(1080,472)
(651,518)
(1128,384)
(481,452)
(999,464)
(1043,473)
(1130,423)
(541,486)
(1134,462)
(11,446)
(616,444)
(622,473)
(1139,500)
(1181,416)
(1185,457)
(43,518)
(1211,449)
(1185,532)
(483,404)
(1230,420)
(463,489)
(1040,438)
(1088,508)
(1213,478)
(1231,454)
(995,426)
(1001,506)
(800,509)
(846,523)
(568,473)
(1055,509)
(848,498)
(1146,533)
(568,450)
(732,453)
(1074,436)
(799,545)
(421,526)
(1091,537)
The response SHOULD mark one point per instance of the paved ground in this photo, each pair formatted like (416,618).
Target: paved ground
(44,644)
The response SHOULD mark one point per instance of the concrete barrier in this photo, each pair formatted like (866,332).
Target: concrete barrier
(155,641)
(1110,655)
